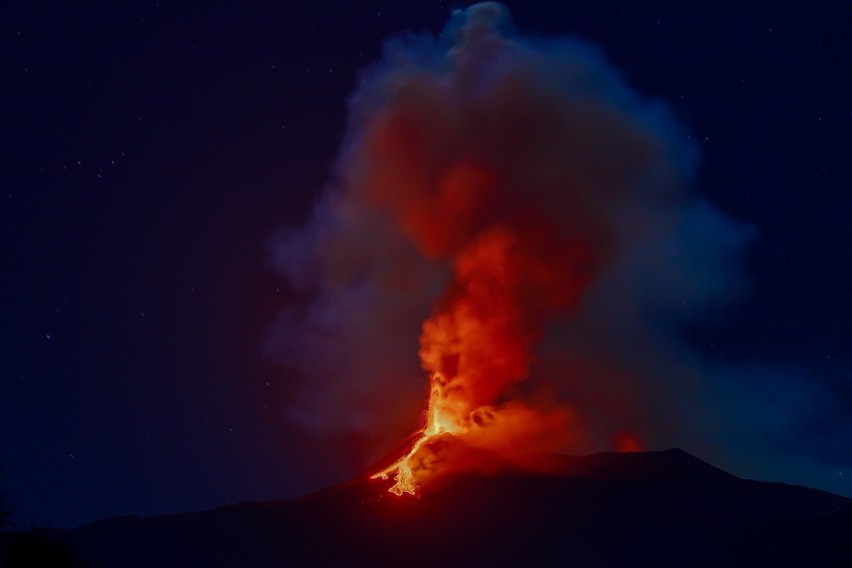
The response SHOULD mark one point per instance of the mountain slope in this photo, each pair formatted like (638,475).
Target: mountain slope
(650,508)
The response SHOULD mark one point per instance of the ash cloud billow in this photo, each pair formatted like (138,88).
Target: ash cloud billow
(509,216)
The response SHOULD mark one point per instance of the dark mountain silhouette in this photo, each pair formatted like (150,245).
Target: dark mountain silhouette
(634,509)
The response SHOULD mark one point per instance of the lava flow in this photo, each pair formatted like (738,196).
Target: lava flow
(437,423)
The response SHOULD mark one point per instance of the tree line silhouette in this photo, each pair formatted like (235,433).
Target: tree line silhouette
(29,547)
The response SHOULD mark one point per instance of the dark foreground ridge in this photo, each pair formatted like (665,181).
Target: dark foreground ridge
(637,509)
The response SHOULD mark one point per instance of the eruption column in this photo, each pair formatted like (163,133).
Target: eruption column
(532,208)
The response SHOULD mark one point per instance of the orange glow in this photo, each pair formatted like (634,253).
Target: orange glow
(627,442)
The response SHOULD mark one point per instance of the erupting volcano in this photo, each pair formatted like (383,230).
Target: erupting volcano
(511,224)
(530,217)
(508,274)
(478,344)
(512,266)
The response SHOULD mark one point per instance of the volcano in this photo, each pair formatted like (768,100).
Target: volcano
(610,509)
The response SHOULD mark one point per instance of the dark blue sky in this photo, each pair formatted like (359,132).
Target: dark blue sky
(151,149)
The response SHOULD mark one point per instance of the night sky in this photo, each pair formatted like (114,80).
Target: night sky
(151,150)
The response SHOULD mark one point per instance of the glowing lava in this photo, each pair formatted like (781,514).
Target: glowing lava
(438,421)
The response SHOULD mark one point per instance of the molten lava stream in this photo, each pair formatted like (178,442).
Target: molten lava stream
(437,423)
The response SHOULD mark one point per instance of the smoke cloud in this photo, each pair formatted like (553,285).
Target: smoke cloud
(511,215)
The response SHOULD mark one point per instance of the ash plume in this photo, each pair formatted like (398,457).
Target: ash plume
(512,215)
